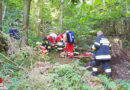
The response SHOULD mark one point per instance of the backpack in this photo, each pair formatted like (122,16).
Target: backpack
(70,37)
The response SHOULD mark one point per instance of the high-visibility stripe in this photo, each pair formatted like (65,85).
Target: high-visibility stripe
(97,43)
(103,57)
(59,48)
(107,70)
(49,46)
(76,52)
(60,43)
(95,69)
(46,41)
(93,47)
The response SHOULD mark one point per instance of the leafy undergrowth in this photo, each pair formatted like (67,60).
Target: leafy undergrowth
(27,70)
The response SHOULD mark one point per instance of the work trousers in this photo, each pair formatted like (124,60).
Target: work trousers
(106,64)
(69,49)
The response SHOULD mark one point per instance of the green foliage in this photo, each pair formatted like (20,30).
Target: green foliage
(123,84)
(18,81)
(32,40)
(108,84)
(68,77)
(3,44)
(126,43)
(83,17)
(16,67)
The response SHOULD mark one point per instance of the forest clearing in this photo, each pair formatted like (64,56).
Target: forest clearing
(64,44)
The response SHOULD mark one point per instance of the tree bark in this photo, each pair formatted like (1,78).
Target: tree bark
(38,17)
(4,13)
(114,29)
(43,25)
(3,16)
(126,25)
(27,4)
(0,15)
(61,13)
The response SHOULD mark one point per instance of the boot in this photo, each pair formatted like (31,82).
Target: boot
(94,73)
(109,75)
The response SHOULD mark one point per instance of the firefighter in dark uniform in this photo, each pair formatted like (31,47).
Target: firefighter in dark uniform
(102,55)
(60,46)
(46,44)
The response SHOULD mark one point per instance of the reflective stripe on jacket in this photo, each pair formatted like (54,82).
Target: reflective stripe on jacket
(102,48)
(60,46)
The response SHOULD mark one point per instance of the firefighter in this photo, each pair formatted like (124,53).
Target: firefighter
(51,38)
(46,44)
(13,32)
(102,55)
(60,46)
(68,39)
(59,43)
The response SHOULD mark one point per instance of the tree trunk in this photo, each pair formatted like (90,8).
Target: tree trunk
(4,13)
(0,15)
(126,25)
(38,17)
(114,29)
(27,4)
(43,26)
(61,13)
(3,16)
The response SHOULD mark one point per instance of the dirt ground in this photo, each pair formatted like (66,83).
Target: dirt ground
(120,65)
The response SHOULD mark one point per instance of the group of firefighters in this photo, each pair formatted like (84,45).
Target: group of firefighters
(64,42)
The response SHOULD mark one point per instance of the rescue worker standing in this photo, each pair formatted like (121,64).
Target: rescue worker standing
(102,55)
(69,41)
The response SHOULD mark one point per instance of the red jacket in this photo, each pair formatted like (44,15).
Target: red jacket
(59,37)
(51,39)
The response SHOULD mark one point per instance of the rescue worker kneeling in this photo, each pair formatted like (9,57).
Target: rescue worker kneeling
(60,46)
(46,44)
(102,55)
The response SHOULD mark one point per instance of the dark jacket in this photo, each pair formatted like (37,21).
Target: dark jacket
(14,33)
(46,44)
(102,48)
(60,46)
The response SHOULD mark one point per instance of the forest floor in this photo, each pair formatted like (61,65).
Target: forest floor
(41,70)
(120,65)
